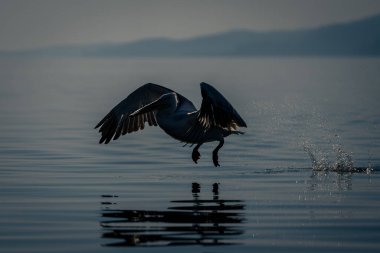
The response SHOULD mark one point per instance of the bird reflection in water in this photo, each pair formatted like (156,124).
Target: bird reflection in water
(192,222)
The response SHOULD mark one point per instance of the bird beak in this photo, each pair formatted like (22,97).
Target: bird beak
(148,108)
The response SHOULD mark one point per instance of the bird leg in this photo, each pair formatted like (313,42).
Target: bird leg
(196,155)
(215,153)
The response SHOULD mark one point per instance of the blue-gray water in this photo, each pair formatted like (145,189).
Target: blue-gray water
(63,192)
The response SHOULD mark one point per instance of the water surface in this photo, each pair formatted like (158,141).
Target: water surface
(63,192)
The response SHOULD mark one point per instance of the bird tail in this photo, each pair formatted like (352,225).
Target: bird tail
(237,132)
(229,132)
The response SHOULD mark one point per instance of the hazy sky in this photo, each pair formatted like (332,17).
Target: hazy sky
(39,23)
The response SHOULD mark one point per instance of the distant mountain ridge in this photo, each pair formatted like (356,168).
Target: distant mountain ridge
(356,38)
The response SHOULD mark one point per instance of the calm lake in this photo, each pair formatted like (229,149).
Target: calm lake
(303,177)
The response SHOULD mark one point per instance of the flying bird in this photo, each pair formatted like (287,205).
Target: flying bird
(176,115)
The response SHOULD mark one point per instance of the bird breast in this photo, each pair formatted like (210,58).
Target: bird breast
(176,124)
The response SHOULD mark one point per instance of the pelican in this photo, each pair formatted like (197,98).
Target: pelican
(176,115)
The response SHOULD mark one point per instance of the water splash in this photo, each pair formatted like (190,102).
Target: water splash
(320,161)
(343,160)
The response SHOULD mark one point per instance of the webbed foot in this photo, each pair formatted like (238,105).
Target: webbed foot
(215,153)
(215,159)
(195,156)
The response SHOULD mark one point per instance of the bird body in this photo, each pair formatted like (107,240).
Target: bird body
(176,115)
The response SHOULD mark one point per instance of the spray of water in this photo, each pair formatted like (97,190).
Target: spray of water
(320,161)
(343,160)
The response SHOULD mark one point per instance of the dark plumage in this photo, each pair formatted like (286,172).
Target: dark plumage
(176,115)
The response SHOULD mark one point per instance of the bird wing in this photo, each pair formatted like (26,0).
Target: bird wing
(215,111)
(117,122)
